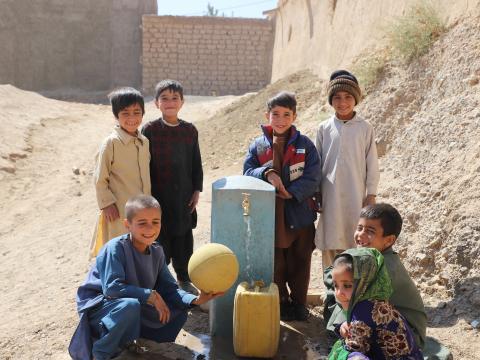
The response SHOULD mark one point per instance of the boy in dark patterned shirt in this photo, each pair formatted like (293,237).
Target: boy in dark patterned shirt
(176,176)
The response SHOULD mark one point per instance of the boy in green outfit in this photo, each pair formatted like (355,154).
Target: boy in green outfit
(379,227)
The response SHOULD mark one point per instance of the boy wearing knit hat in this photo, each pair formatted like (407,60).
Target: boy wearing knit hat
(348,153)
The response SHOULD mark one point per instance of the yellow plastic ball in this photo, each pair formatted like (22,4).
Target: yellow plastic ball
(213,268)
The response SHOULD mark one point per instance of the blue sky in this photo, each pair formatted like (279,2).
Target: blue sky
(239,8)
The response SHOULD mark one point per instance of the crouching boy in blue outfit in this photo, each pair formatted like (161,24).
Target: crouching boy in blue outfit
(129,292)
(289,161)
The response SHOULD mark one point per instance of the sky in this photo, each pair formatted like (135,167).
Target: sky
(239,8)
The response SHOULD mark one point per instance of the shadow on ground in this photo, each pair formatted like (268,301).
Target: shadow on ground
(298,340)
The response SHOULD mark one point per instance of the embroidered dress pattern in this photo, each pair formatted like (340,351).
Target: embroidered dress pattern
(359,335)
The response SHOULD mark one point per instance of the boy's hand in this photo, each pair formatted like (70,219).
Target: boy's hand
(162,308)
(194,200)
(369,200)
(204,297)
(111,213)
(345,330)
(277,183)
(284,195)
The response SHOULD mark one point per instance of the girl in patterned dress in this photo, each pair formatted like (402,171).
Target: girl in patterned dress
(374,328)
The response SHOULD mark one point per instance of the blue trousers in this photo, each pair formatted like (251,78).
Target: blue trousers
(117,322)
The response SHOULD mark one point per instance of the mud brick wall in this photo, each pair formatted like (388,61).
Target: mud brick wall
(208,55)
(71,44)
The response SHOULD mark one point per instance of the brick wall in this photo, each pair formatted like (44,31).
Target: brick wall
(208,55)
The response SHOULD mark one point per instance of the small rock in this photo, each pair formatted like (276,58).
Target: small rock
(433,280)
(472,81)
(442,305)
(475,298)
(475,324)
(78,193)
(76,170)
(435,244)
(444,278)
(422,258)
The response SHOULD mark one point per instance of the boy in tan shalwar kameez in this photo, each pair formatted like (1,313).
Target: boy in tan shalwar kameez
(122,167)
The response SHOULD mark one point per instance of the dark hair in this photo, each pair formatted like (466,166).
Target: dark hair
(344,260)
(138,203)
(284,99)
(168,84)
(124,97)
(390,218)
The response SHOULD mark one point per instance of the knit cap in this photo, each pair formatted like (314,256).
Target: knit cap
(342,80)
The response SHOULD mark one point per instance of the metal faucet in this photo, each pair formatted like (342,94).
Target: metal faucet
(246,204)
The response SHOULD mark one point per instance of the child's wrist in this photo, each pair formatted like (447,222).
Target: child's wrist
(268,172)
(151,298)
(196,300)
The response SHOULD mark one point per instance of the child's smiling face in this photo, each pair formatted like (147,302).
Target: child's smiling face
(144,228)
(343,102)
(280,118)
(130,118)
(369,233)
(169,103)
(343,283)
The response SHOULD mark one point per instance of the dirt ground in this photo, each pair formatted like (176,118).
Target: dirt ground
(48,213)
(428,125)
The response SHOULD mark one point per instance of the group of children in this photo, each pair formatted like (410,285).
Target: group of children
(148,184)
(372,304)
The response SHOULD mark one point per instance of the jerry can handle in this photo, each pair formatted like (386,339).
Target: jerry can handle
(258,284)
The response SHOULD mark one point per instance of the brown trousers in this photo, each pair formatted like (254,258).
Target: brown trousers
(292,266)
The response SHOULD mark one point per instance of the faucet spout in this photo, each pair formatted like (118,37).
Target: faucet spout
(246,204)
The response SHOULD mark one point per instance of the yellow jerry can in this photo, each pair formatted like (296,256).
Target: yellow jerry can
(256,320)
